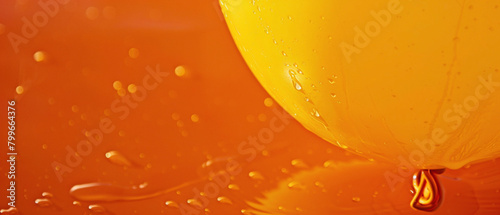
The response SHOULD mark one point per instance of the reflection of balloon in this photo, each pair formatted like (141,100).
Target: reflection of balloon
(328,191)
(387,78)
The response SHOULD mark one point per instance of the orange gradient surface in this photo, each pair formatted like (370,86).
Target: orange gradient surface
(186,128)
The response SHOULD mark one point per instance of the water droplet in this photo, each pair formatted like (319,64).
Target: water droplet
(284,170)
(295,82)
(315,113)
(117,85)
(10,211)
(195,118)
(172,204)
(298,163)
(77,203)
(225,200)
(195,203)
(47,195)
(133,53)
(180,71)
(356,199)
(256,175)
(297,86)
(331,81)
(40,56)
(247,212)
(132,88)
(295,185)
(175,116)
(117,158)
(333,95)
(122,92)
(283,53)
(97,208)
(329,163)
(110,192)
(19,90)
(319,184)
(233,187)
(43,202)
(268,102)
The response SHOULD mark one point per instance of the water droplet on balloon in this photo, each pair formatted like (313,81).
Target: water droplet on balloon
(315,113)
(356,199)
(295,82)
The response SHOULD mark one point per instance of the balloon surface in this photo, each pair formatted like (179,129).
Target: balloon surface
(411,81)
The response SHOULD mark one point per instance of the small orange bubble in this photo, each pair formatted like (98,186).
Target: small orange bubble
(195,118)
(117,85)
(132,88)
(122,92)
(268,102)
(19,90)
(180,71)
(40,56)
(133,53)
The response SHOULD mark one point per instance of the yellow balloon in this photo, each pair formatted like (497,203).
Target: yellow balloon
(409,81)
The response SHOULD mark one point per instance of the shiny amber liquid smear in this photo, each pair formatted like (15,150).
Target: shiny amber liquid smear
(427,190)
